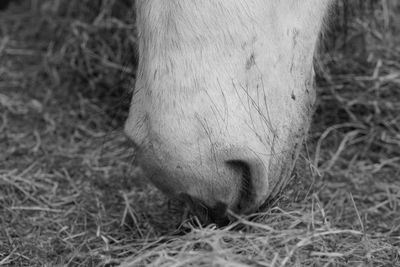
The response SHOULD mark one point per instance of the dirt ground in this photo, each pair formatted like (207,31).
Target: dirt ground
(71,195)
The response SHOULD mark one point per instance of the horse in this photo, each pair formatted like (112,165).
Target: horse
(223,98)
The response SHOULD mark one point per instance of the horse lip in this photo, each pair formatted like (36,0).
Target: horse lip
(217,214)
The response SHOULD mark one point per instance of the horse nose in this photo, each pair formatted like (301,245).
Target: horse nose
(253,183)
(247,177)
(246,193)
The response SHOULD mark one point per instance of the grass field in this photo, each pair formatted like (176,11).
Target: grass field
(70,194)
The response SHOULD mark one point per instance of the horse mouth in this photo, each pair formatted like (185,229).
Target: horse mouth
(217,214)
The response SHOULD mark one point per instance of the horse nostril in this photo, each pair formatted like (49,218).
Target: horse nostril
(246,196)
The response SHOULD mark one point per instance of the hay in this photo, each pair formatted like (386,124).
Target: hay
(71,195)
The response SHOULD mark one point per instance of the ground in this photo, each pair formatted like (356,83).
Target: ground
(70,193)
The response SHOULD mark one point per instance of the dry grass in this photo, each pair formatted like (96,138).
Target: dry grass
(70,195)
